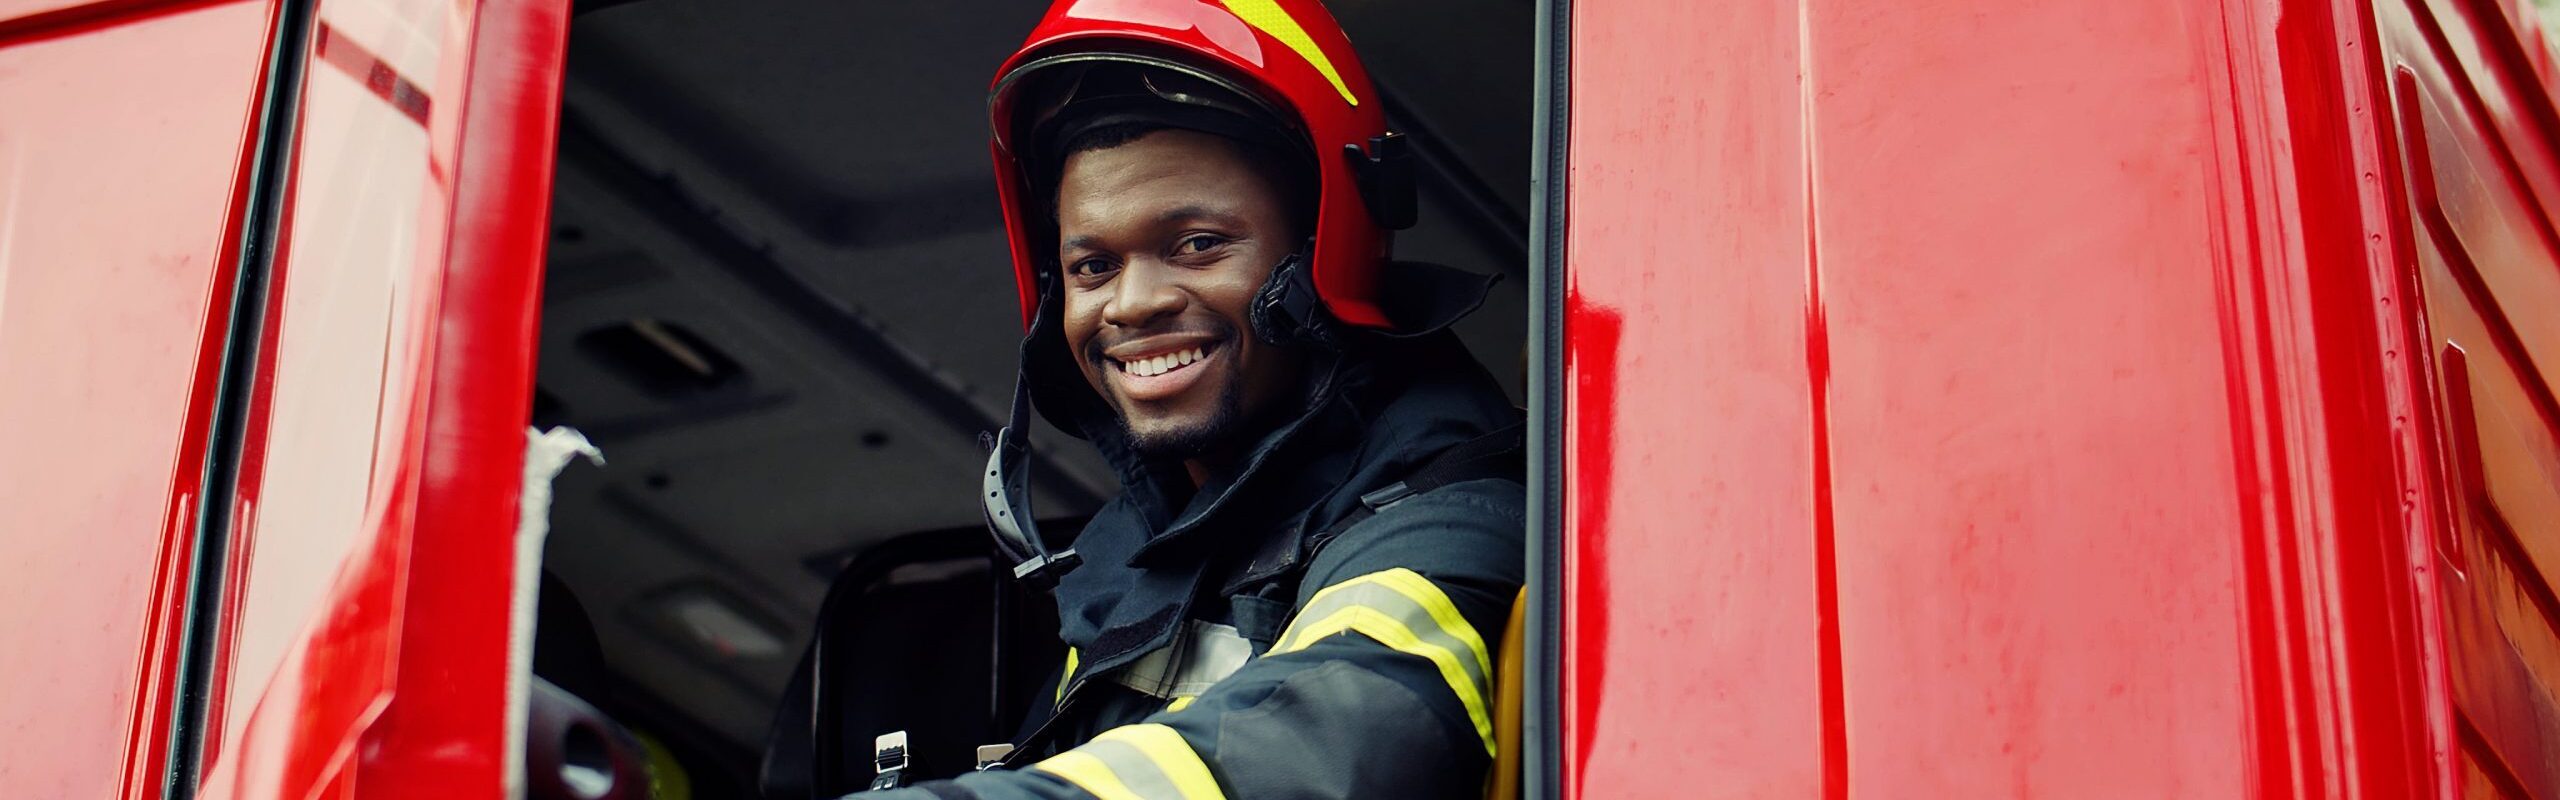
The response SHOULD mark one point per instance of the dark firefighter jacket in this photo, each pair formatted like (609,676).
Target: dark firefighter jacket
(1240,643)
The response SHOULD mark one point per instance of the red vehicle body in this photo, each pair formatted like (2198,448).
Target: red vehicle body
(1937,399)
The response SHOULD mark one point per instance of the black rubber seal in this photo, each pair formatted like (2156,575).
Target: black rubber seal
(261,227)
(1542,706)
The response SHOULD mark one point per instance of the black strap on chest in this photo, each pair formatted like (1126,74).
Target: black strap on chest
(1501,454)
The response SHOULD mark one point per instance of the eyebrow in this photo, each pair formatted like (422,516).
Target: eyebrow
(1172,215)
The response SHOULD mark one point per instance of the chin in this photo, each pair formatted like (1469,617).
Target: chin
(1170,439)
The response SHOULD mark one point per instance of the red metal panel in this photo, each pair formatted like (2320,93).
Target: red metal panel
(2481,144)
(71,17)
(118,162)
(20,9)
(323,532)
(372,631)
(1691,646)
(444,734)
(2037,521)
(2080,458)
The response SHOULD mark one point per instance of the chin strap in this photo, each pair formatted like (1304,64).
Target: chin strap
(1007,502)
(1287,311)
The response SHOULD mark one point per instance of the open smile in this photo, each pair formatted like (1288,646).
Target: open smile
(1161,375)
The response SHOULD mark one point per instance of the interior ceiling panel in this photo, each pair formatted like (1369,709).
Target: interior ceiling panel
(800,189)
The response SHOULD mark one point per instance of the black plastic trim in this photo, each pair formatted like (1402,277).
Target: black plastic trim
(1542,704)
(1486,217)
(261,227)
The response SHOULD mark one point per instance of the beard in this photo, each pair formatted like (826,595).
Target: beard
(1220,428)
(1216,431)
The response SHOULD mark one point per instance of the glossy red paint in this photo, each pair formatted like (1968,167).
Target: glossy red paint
(23,20)
(2481,144)
(1688,305)
(373,643)
(116,190)
(2011,400)
(444,734)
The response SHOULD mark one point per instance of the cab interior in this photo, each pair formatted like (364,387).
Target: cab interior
(777,299)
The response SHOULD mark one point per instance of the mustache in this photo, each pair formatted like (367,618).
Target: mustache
(1214,328)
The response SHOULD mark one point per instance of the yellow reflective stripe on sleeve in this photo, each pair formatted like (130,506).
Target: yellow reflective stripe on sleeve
(1087,773)
(1444,614)
(1064,678)
(1268,17)
(1179,703)
(1136,762)
(1406,612)
(1172,755)
(1414,588)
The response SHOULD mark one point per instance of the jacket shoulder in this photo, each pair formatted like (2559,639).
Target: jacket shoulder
(1468,532)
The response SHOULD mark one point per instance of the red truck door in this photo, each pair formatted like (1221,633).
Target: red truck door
(117,176)
(2025,399)
(365,627)
(268,284)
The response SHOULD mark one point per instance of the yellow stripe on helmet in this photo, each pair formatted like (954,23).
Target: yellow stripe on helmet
(1268,17)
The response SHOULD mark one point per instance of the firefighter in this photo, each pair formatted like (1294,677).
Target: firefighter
(1299,589)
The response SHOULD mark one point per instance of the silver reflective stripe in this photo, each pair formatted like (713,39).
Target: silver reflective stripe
(1204,654)
(1133,767)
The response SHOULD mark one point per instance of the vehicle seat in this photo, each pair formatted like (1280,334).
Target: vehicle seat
(903,641)
(1508,674)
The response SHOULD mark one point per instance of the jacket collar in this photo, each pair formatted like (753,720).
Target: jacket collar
(1376,410)
(1428,300)
(1146,561)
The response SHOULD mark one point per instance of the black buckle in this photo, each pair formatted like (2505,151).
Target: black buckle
(1288,310)
(889,761)
(1391,494)
(1385,171)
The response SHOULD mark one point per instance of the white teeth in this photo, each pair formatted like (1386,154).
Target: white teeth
(1158,365)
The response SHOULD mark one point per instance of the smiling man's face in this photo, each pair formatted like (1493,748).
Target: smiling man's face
(1164,240)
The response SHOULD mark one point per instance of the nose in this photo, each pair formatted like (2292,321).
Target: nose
(1145,291)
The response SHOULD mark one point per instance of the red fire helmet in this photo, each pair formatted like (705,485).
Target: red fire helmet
(1287,56)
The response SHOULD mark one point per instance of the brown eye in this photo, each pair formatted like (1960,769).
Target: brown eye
(1088,268)
(1198,243)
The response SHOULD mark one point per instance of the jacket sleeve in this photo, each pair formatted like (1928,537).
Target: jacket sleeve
(1380,686)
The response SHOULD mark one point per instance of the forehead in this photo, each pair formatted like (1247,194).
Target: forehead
(1136,183)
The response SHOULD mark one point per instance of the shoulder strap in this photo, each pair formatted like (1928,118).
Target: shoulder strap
(1500,454)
